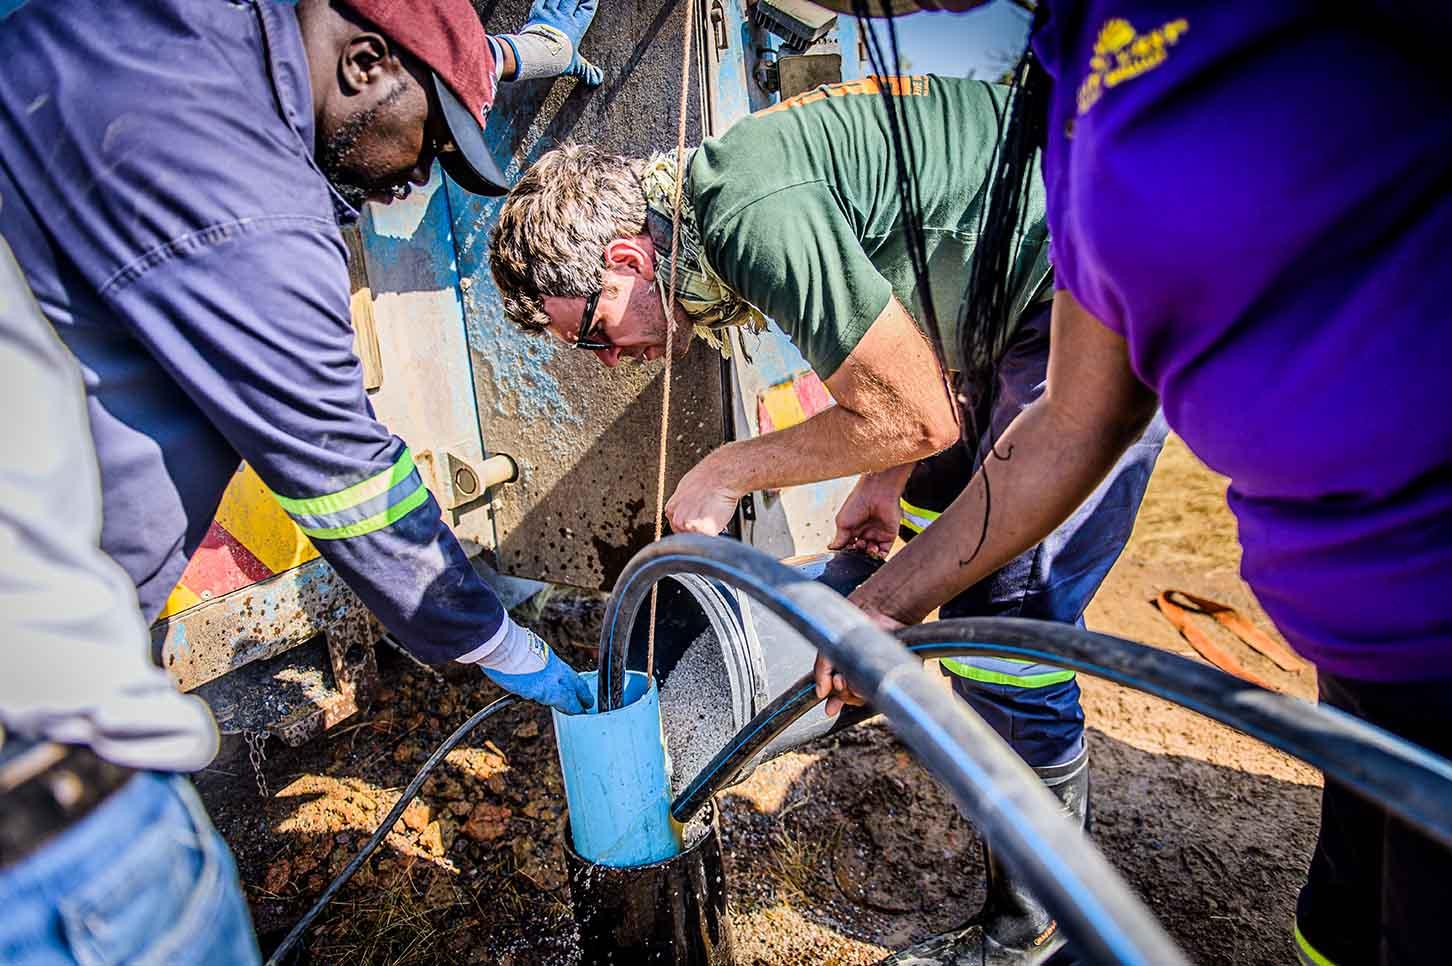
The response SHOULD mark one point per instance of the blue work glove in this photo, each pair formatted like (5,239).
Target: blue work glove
(536,672)
(565,21)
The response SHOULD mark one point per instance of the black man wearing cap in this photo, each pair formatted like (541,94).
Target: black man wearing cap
(173,175)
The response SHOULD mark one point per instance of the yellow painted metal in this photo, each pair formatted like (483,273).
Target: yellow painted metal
(181,598)
(250,513)
(783,404)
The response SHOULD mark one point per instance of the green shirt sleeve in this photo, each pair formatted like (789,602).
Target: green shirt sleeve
(794,254)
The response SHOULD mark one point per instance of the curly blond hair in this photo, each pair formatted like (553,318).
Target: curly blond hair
(555,224)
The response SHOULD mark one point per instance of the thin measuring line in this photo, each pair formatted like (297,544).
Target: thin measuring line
(665,400)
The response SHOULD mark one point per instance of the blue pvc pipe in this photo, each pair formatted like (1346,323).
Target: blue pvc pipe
(616,785)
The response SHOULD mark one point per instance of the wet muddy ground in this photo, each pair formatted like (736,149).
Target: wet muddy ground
(838,853)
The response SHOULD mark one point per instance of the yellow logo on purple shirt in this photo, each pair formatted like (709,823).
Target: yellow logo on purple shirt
(1121,54)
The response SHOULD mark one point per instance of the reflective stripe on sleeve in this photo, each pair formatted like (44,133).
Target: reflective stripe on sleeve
(1001,670)
(363,507)
(915,518)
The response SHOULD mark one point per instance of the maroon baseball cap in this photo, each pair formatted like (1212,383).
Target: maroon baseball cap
(448,37)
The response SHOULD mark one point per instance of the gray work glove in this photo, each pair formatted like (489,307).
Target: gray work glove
(549,43)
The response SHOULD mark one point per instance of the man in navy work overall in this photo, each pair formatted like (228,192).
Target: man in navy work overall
(173,176)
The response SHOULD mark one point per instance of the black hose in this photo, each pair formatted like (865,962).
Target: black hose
(995,789)
(460,733)
(1408,781)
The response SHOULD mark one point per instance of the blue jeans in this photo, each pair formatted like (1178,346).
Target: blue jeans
(144,878)
(1034,707)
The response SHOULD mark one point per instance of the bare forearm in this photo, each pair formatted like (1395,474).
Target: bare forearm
(1054,454)
(834,443)
(1052,466)
(891,480)
(892,408)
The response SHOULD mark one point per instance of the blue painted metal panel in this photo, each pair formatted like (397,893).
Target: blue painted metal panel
(428,395)
(514,364)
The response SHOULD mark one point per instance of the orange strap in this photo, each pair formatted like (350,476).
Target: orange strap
(1233,621)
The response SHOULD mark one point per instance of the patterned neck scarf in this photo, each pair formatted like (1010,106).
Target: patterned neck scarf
(708,302)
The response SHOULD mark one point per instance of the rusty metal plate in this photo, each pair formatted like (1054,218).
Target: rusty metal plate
(585,438)
(298,695)
(802,72)
(259,622)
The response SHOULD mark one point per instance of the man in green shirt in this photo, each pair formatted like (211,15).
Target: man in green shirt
(794,214)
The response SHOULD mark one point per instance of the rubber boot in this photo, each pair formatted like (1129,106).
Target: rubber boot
(1012,927)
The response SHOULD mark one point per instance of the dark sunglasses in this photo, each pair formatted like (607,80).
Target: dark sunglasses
(585,335)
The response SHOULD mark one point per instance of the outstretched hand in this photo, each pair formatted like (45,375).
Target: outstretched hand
(540,675)
(702,503)
(868,519)
(830,682)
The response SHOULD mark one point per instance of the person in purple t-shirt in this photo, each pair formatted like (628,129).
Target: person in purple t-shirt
(1249,210)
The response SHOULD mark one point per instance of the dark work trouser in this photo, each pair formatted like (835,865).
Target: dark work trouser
(1378,892)
(1034,707)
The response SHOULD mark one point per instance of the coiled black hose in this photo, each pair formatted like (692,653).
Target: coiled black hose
(1408,781)
(993,786)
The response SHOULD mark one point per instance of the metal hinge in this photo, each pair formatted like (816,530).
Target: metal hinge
(718,25)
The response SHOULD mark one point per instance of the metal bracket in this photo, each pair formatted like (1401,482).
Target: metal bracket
(799,23)
(718,26)
(459,480)
(802,72)
(766,72)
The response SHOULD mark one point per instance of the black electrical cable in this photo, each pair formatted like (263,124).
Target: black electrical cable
(460,733)
(995,789)
(1408,781)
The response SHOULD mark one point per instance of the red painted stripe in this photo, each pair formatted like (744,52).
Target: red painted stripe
(812,394)
(222,565)
(764,422)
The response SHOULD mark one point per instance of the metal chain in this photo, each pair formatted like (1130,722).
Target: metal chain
(665,400)
(257,756)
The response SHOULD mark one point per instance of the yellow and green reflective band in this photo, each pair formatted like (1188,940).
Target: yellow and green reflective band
(915,518)
(1307,953)
(983,676)
(376,522)
(346,499)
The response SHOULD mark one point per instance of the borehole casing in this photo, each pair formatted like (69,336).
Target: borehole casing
(671,912)
(614,767)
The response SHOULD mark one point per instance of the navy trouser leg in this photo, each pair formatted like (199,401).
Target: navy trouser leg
(1034,707)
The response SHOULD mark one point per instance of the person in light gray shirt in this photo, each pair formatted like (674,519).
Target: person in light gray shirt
(105,851)
(75,651)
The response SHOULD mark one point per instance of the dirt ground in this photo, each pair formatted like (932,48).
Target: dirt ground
(838,853)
